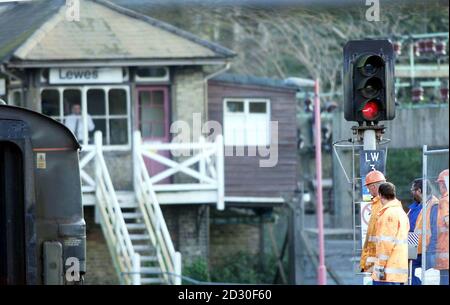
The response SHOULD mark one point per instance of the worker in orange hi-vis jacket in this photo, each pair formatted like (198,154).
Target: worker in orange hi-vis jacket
(391,267)
(373,181)
(442,224)
(416,222)
(432,201)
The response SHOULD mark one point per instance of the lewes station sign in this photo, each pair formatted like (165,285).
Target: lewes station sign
(85,75)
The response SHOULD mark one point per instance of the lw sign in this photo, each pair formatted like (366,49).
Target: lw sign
(85,75)
(369,160)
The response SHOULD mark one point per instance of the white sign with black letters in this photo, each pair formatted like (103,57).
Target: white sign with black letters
(85,75)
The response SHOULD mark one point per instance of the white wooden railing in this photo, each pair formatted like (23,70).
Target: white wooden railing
(208,155)
(125,259)
(210,177)
(169,259)
(88,182)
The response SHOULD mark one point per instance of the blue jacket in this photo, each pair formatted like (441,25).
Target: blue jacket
(414,211)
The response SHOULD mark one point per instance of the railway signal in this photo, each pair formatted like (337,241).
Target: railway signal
(369,91)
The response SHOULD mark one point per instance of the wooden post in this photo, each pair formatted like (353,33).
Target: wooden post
(177,268)
(261,243)
(136,260)
(136,155)
(296,247)
(275,252)
(220,163)
(32,94)
(98,151)
(202,164)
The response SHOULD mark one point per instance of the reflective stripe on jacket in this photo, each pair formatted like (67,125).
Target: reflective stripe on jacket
(418,228)
(368,252)
(392,243)
(442,241)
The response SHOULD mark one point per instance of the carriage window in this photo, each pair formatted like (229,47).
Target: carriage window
(246,122)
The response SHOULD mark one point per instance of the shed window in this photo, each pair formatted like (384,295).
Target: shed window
(246,122)
(107,110)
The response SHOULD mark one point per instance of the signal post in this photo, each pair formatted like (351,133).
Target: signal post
(369,98)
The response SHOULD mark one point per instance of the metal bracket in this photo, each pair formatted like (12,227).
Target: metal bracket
(359,131)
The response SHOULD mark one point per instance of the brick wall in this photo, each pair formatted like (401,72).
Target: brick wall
(120,168)
(99,266)
(188,95)
(189,228)
(188,98)
(229,239)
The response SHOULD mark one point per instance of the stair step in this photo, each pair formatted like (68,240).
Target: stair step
(125,196)
(128,204)
(142,247)
(148,258)
(131,215)
(152,281)
(139,237)
(135,226)
(150,270)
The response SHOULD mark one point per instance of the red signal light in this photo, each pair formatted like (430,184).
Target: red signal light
(370,110)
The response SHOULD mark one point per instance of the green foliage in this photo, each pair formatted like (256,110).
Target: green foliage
(240,268)
(197,270)
(244,268)
(403,166)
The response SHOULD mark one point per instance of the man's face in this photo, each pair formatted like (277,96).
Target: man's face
(373,189)
(417,194)
(76,109)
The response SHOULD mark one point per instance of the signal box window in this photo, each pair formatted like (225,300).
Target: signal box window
(246,122)
(107,110)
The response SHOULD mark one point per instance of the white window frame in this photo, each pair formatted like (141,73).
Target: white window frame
(107,116)
(165,78)
(247,118)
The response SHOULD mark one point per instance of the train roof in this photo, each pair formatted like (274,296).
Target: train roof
(46,133)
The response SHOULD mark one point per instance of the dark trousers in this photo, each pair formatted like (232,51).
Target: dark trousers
(444,277)
(416,263)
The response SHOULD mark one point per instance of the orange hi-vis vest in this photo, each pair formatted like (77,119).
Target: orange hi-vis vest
(392,243)
(442,240)
(418,228)
(368,257)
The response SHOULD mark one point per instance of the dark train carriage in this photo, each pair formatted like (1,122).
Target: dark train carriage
(42,230)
